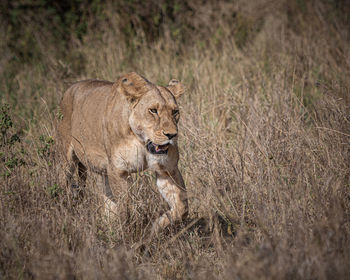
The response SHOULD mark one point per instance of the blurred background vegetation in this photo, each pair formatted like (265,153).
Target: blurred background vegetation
(47,34)
(32,29)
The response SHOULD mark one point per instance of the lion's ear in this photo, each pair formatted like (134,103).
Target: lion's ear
(176,88)
(133,86)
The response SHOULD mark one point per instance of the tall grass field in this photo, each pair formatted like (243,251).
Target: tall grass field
(264,139)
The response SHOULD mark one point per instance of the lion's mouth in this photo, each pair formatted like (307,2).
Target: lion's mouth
(157,149)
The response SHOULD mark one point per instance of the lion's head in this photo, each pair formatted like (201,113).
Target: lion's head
(154,111)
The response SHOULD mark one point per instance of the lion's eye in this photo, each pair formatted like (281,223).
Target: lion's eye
(153,111)
(175,112)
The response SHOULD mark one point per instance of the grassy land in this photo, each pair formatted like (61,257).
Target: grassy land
(264,140)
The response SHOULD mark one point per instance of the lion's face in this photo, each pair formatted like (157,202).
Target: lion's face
(154,119)
(154,112)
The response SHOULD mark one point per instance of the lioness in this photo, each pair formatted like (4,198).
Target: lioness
(115,129)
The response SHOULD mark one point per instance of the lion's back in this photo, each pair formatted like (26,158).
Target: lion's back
(81,111)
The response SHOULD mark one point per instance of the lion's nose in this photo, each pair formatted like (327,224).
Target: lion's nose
(170,135)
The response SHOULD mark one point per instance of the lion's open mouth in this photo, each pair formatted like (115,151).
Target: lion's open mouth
(157,149)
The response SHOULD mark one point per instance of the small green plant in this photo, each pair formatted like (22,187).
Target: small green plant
(5,124)
(54,190)
(9,156)
(46,143)
(59,115)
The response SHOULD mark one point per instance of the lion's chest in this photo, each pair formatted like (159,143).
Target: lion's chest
(129,157)
(133,157)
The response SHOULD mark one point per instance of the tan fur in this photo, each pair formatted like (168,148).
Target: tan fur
(106,126)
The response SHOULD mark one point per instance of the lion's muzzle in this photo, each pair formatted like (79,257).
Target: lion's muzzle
(157,149)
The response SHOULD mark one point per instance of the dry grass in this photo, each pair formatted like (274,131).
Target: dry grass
(265,149)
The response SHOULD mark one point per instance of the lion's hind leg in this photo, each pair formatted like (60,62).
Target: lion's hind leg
(73,163)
